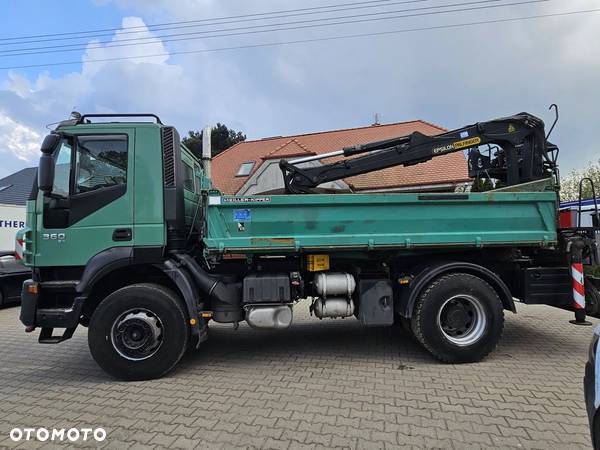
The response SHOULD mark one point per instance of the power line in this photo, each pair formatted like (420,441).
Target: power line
(302,41)
(295,26)
(197,20)
(211,22)
(80,46)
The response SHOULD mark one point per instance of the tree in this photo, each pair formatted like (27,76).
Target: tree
(569,185)
(482,185)
(221,138)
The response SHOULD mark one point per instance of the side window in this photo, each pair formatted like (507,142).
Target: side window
(188,177)
(197,176)
(62,170)
(101,162)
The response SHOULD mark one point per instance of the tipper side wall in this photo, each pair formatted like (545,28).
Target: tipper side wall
(372,221)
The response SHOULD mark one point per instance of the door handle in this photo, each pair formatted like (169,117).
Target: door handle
(122,234)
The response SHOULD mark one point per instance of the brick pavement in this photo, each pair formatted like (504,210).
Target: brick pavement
(319,384)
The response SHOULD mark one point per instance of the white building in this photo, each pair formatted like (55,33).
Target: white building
(14,192)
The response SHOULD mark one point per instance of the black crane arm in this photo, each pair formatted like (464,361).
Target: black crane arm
(523,154)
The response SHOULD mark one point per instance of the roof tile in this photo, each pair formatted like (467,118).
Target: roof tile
(17,186)
(290,148)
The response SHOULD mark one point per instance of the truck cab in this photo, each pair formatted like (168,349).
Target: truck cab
(109,195)
(109,191)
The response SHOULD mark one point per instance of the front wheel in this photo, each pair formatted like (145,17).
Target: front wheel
(458,318)
(138,332)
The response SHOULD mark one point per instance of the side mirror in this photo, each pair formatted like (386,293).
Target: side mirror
(46,173)
(50,143)
(46,167)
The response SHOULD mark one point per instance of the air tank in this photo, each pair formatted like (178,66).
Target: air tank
(334,284)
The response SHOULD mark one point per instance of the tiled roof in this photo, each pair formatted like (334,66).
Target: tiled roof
(450,168)
(15,188)
(288,149)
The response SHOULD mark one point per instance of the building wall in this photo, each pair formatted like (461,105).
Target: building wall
(12,219)
(268,177)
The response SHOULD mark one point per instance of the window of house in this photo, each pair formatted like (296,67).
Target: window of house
(245,169)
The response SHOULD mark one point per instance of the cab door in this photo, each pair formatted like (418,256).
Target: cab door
(90,208)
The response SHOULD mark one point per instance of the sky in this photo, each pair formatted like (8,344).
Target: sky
(448,75)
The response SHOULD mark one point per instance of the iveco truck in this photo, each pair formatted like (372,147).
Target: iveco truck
(127,236)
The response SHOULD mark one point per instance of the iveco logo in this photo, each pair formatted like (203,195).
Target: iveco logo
(60,237)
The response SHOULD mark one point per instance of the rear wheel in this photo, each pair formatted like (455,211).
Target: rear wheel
(458,318)
(592,297)
(138,332)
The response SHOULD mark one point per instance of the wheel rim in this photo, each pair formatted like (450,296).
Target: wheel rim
(137,334)
(462,319)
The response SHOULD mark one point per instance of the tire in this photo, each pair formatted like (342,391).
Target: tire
(458,318)
(139,332)
(596,432)
(592,298)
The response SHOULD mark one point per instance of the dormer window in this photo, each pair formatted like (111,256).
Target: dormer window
(245,169)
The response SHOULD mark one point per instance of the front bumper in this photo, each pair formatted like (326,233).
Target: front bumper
(33,316)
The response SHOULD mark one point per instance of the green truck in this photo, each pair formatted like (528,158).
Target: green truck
(126,236)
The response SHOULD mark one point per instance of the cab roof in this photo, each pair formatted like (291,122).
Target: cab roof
(88,119)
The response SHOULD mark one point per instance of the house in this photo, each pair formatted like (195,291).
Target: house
(15,188)
(14,192)
(251,167)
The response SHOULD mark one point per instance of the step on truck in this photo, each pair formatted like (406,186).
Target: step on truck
(126,235)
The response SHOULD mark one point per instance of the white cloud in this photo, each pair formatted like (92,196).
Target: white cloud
(18,139)
(151,46)
(189,92)
(17,84)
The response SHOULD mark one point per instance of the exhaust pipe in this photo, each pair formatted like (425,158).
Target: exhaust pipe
(206,149)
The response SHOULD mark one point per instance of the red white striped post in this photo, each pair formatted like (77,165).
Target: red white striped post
(19,248)
(578,280)
(578,286)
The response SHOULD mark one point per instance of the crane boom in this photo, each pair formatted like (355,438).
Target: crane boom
(522,154)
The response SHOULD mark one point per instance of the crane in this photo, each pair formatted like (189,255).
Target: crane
(518,152)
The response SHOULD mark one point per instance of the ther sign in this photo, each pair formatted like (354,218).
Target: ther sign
(12,219)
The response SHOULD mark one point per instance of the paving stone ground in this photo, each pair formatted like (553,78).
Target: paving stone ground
(319,384)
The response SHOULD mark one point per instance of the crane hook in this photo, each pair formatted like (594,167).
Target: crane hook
(555,107)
